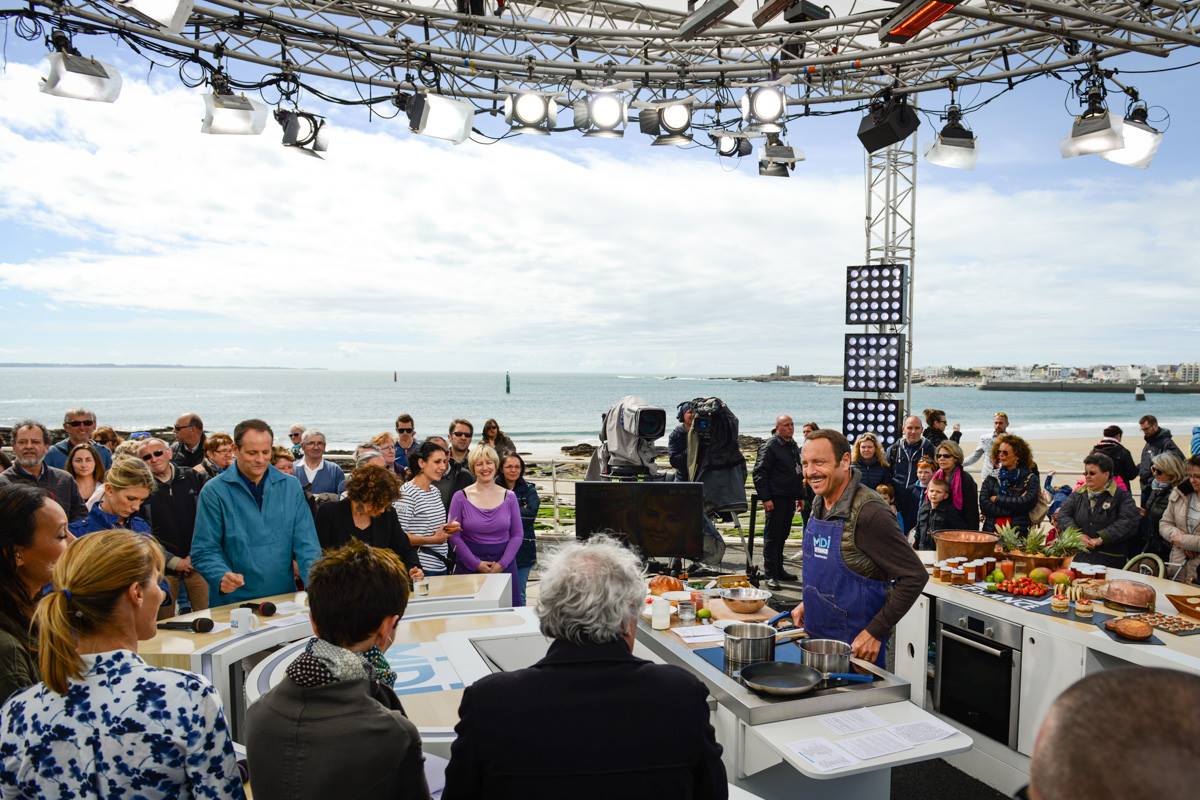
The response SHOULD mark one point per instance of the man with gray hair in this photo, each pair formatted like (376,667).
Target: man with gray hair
(30,443)
(172,507)
(79,424)
(318,476)
(589,600)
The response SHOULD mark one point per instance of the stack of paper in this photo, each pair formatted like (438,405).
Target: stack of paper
(699,634)
(877,742)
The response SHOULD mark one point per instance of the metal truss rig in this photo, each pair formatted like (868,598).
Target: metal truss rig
(384,46)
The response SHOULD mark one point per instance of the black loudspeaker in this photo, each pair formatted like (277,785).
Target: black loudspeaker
(887,122)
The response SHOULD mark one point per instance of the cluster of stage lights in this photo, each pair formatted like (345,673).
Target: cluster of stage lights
(604,112)
(875,294)
(880,417)
(874,362)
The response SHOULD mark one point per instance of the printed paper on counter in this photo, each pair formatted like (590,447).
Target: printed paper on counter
(823,754)
(923,731)
(856,720)
(874,744)
(699,634)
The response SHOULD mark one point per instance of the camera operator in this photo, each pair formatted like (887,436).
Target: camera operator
(677,443)
(779,483)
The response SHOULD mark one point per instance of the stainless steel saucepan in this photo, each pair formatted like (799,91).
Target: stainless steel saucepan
(751,642)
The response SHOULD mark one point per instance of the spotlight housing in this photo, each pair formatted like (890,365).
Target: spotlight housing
(778,160)
(888,120)
(880,417)
(731,145)
(954,147)
(1093,134)
(440,117)
(170,15)
(232,114)
(763,108)
(602,114)
(530,112)
(306,132)
(705,17)
(873,362)
(875,294)
(75,76)
(912,17)
(1140,137)
(667,121)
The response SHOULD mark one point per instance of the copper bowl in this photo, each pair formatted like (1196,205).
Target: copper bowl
(971,544)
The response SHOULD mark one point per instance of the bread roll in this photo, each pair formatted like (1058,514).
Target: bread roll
(665,583)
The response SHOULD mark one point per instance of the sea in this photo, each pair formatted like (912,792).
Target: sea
(542,412)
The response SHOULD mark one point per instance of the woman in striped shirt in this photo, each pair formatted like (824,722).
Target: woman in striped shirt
(421,511)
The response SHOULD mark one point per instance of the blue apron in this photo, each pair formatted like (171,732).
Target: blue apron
(838,602)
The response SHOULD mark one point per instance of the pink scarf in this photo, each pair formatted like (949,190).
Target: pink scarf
(955,486)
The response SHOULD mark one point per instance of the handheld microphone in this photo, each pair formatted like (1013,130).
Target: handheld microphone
(263,609)
(198,625)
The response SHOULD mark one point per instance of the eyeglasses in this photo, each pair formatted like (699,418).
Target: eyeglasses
(153,454)
(1156,471)
(76,423)
(183,427)
(462,433)
(294,435)
(404,430)
(945,455)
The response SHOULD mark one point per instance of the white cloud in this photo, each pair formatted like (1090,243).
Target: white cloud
(625,259)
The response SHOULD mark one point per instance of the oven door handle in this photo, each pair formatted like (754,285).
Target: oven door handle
(972,643)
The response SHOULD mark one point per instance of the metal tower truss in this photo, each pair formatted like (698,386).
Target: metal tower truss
(384,46)
(891,221)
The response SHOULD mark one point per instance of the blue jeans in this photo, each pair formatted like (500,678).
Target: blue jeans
(523,577)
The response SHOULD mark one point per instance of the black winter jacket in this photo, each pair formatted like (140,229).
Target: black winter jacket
(1160,442)
(1122,459)
(1113,518)
(777,470)
(930,520)
(173,510)
(1017,504)
(872,473)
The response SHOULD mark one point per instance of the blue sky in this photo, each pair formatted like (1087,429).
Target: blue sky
(130,237)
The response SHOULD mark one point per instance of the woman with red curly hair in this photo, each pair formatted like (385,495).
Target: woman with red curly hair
(366,514)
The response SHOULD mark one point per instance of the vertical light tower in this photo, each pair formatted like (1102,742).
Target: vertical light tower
(878,359)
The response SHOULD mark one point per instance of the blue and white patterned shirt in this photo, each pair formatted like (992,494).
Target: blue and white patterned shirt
(126,730)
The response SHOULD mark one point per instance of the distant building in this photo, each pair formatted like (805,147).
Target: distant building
(783,371)
(1188,373)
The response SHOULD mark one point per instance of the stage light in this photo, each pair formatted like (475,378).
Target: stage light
(873,362)
(888,121)
(1141,139)
(705,17)
(78,77)
(170,15)
(912,17)
(675,120)
(440,117)
(307,132)
(233,114)
(763,108)
(602,114)
(1093,134)
(880,417)
(875,294)
(954,147)
(730,145)
(778,160)
(530,112)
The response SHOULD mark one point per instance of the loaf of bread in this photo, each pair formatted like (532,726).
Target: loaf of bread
(1132,629)
(1130,593)
(665,583)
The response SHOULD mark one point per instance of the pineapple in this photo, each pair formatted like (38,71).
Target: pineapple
(1035,542)
(1068,542)
(1010,540)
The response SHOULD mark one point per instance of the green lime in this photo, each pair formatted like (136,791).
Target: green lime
(704,613)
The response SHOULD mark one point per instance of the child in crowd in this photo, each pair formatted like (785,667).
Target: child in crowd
(936,514)
(889,493)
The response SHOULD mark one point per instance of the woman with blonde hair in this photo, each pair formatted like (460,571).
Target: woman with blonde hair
(491,522)
(872,463)
(127,484)
(86,467)
(101,716)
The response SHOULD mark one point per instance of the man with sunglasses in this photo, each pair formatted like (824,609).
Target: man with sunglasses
(406,441)
(79,425)
(987,468)
(172,507)
(188,450)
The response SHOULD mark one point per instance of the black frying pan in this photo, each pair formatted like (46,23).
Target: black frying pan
(785,679)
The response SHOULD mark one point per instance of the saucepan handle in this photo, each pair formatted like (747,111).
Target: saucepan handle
(852,677)
(779,618)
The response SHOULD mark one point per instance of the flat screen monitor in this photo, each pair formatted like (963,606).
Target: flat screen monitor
(659,519)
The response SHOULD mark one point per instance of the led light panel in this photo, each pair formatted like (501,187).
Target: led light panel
(873,362)
(875,295)
(880,417)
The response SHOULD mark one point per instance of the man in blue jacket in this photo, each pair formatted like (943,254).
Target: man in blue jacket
(251,522)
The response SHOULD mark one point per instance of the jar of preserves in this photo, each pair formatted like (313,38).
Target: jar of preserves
(972,572)
(958,576)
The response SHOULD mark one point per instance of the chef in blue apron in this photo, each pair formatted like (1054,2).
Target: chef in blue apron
(860,573)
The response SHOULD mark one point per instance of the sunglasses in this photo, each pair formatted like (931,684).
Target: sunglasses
(294,435)
(1156,471)
(404,430)
(76,423)
(944,455)
(462,433)
(154,454)
(182,427)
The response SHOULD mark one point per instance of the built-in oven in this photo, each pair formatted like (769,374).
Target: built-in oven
(978,678)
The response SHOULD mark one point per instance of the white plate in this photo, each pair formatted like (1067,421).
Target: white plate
(676,596)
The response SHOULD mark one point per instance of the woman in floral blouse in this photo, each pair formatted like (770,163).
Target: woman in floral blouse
(103,723)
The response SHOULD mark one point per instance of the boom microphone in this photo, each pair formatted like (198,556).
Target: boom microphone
(263,609)
(198,625)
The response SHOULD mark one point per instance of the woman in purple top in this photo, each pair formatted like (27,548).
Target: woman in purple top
(491,522)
